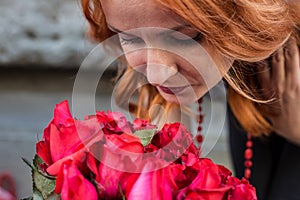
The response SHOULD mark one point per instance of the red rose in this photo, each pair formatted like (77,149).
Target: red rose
(71,184)
(111,162)
(113,122)
(174,140)
(125,142)
(139,124)
(150,148)
(111,172)
(189,158)
(242,189)
(198,194)
(66,138)
(214,182)
(155,185)
(101,157)
(206,184)
(167,134)
(62,117)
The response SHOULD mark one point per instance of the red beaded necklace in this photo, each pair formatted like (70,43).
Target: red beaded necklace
(248,154)
(199,136)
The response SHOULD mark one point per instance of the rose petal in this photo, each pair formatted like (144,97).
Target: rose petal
(62,113)
(73,184)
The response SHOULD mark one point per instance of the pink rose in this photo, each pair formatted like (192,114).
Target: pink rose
(112,161)
(110,173)
(71,184)
(155,185)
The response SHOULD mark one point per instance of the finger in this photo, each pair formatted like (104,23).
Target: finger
(264,78)
(266,86)
(277,67)
(292,62)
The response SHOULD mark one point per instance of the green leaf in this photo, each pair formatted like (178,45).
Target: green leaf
(43,184)
(121,192)
(28,163)
(37,195)
(37,161)
(145,135)
(28,198)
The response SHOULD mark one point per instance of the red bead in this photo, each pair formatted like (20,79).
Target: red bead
(199,138)
(200,120)
(248,154)
(247,173)
(199,128)
(249,144)
(248,163)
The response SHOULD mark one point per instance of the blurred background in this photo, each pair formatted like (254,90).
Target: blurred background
(42,45)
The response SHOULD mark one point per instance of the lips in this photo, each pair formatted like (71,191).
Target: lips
(171,90)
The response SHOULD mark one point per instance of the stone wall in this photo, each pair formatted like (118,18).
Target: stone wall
(42,33)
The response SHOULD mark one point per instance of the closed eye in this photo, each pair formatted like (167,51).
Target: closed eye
(129,39)
(178,38)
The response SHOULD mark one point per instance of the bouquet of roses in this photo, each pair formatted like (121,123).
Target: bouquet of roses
(106,157)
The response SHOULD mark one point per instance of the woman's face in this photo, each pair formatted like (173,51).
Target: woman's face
(174,56)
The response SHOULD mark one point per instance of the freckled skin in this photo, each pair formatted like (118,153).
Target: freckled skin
(162,55)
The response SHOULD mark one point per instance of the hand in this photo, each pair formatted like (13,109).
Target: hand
(282,81)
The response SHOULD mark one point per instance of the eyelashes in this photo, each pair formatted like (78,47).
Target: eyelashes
(186,40)
(175,40)
(130,40)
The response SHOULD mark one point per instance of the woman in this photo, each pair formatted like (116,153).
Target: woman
(184,47)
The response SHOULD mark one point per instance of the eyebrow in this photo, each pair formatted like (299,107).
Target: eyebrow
(176,28)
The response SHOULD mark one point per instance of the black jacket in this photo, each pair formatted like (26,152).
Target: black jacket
(276,163)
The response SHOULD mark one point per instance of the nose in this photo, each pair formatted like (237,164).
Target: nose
(161,65)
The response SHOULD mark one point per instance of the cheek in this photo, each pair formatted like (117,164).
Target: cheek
(222,63)
(136,59)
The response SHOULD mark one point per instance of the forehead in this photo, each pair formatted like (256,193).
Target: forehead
(130,14)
